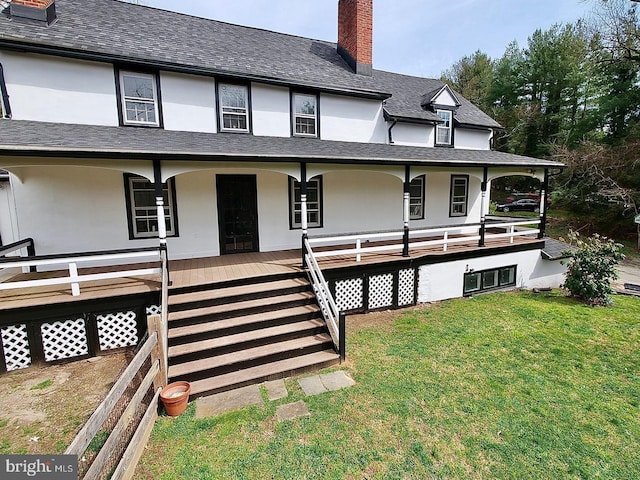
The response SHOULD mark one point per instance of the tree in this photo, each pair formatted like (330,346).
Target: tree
(592,267)
(618,24)
(472,76)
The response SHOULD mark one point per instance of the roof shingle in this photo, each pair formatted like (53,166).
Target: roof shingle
(19,137)
(127,32)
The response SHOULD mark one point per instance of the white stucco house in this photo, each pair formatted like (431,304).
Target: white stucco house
(251,141)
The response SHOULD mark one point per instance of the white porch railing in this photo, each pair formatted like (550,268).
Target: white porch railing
(334,319)
(70,262)
(444,236)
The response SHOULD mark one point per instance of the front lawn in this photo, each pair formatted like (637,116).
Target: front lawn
(501,386)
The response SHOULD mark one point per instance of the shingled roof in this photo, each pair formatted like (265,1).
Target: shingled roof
(27,138)
(110,30)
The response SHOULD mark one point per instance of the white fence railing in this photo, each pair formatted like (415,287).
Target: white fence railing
(333,318)
(427,237)
(71,263)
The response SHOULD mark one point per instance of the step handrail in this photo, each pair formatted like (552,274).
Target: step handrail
(332,315)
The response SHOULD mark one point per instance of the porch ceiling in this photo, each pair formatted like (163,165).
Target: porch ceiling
(40,139)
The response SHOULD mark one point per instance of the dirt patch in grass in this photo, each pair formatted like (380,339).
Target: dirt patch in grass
(44,407)
(380,319)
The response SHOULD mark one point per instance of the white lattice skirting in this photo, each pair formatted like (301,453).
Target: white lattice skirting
(66,339)
(381,291)
(406,287)
(15,344)
(349,295)
(117,330)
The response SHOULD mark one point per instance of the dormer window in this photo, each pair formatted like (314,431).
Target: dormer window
(234,107)
(305,115)
(139,99)
(444,133)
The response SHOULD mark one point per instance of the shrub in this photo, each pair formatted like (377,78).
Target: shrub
(592,267)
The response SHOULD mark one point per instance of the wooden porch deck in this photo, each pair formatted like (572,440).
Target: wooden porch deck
(207,270)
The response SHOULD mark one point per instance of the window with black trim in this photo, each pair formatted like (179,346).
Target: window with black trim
(304,114)
(142,212)
(233,101)
(492,279)
(416,198)
(314,203)
(444,131)
(139,99)
(459,195)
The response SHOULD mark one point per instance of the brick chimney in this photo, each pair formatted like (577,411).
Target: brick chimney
(40,10)
(355,34)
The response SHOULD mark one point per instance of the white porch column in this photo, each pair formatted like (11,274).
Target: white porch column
(303,211)
(406,204)
(162,225)
(483,202)
(543,204)
(304,221)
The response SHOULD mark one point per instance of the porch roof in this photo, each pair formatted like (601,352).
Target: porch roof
(42,139)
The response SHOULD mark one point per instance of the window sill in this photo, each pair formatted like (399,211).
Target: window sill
(244,132)
(140,125)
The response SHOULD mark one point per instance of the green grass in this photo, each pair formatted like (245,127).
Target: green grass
(501,386)
(43,385)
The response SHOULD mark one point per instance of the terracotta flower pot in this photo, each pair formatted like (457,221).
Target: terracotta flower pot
(175,397)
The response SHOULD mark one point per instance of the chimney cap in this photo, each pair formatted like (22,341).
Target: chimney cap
(38,10)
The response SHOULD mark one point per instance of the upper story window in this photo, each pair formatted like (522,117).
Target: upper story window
(139,97)
(459,195)
(234,107)
(305,115)
(416,198)
(444,131)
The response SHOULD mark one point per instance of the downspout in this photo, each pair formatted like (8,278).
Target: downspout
(5,95)
(393,124)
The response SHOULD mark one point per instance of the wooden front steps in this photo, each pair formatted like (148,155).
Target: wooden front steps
(227,335)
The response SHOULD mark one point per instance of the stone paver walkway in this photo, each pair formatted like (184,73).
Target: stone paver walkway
(325,383)
(220,403)
(291,411)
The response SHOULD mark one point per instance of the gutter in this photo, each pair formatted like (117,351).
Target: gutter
(19,46)
(6,110)
(143,155)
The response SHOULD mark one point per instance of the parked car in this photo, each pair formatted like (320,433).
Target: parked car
(515,196)
(522,205)
(519,196)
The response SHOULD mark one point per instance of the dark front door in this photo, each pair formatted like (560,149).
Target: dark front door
(237,213)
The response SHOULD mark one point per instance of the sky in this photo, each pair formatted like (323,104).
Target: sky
(415,37)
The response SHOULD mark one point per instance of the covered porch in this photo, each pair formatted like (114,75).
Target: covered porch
(335,253)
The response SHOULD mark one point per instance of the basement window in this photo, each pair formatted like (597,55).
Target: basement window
(486,280)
